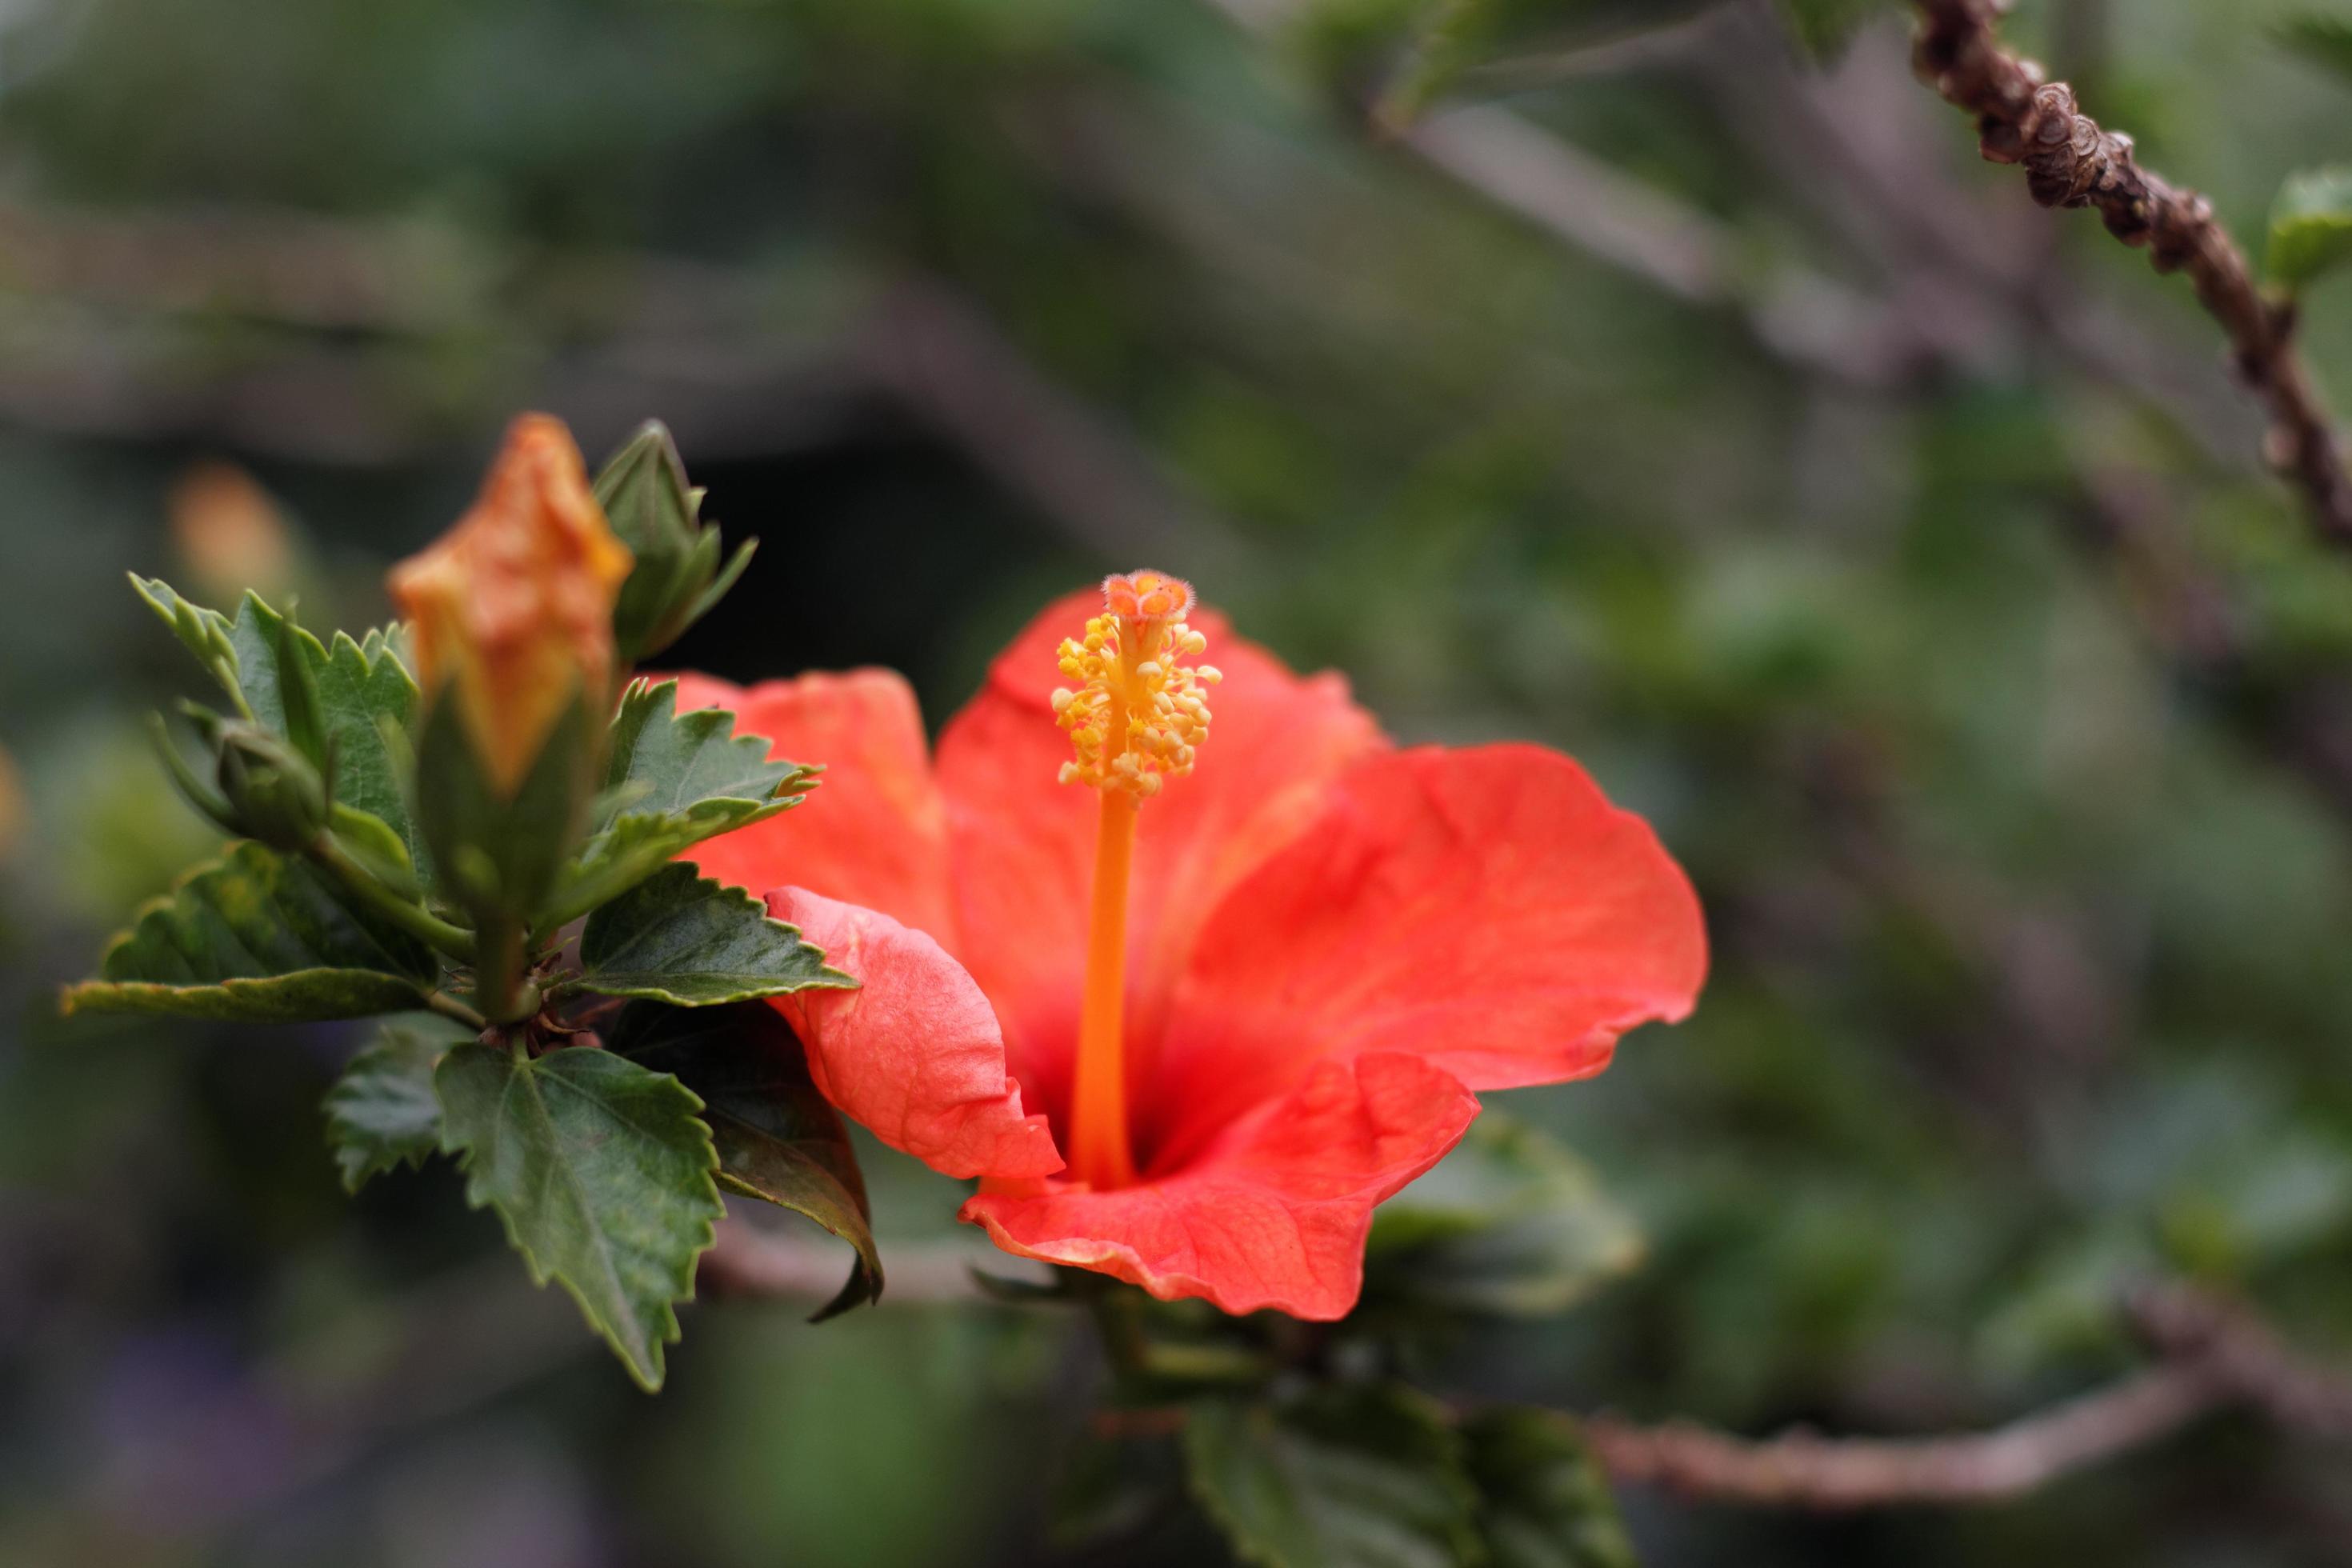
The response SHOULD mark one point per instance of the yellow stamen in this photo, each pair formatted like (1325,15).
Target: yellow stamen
(1136,720)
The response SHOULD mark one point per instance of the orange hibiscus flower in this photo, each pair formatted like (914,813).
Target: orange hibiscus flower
(1191,1014)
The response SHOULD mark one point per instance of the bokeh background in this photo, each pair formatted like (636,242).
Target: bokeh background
(1899,549)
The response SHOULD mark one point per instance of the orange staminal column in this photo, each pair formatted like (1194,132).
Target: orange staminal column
(1135,720)
(1100,1150)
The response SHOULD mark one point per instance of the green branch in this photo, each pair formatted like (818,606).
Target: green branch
(413,918)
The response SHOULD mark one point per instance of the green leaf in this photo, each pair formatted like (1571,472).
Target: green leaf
(205,633)
(389,641)
(382,1113)
(664,763)
(602,1173)
(2323,39)
(1346,1477)
(1544,1501)
(685,939)
(2310,227)
(674,780)
(354,694)
(778,1138)
(257,937)
(1510,1223)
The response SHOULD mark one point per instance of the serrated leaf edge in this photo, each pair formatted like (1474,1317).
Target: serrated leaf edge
(827,977)
(69,995)
(669,1331)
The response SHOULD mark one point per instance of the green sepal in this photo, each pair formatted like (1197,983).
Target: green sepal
(683,939)
(499,856)
(257,937)
(778,1138)
(1341,1477)
(1544,1501)
(382,1114)
(1509,1223)
(602,1174)
(2311,227)
(206,798)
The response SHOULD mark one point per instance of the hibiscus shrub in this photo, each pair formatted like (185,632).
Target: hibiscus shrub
(468,822)
(1202,1021)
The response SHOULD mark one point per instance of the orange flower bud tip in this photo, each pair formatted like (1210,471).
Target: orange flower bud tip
(512,608)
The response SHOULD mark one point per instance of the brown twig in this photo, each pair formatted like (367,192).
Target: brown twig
(2218,1356)
(2243,1353)
(2071,162)
(1803,1470)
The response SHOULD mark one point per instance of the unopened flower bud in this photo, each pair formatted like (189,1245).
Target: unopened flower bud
(659,516)
(511,611)
(274,793)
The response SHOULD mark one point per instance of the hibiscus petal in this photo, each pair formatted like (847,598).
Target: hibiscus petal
(1486,909)
(1023,846)
(914,1055)
(875,831)
(1274,1214)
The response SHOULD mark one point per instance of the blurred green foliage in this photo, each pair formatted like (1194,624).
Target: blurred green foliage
(2030,919)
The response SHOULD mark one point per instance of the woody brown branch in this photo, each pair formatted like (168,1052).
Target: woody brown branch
(1802,1469)
(2071,162)
(2219,1356)
(2216,1354)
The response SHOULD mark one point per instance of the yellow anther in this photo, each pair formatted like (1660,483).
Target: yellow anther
(1137,715)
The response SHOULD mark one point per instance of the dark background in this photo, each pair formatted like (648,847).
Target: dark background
(1899,549)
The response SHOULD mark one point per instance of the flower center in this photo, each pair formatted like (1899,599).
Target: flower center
(1135,720)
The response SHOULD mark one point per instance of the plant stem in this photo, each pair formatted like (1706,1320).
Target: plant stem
(1117,1320)
(2071,162)
(449,1006)
(413,918)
